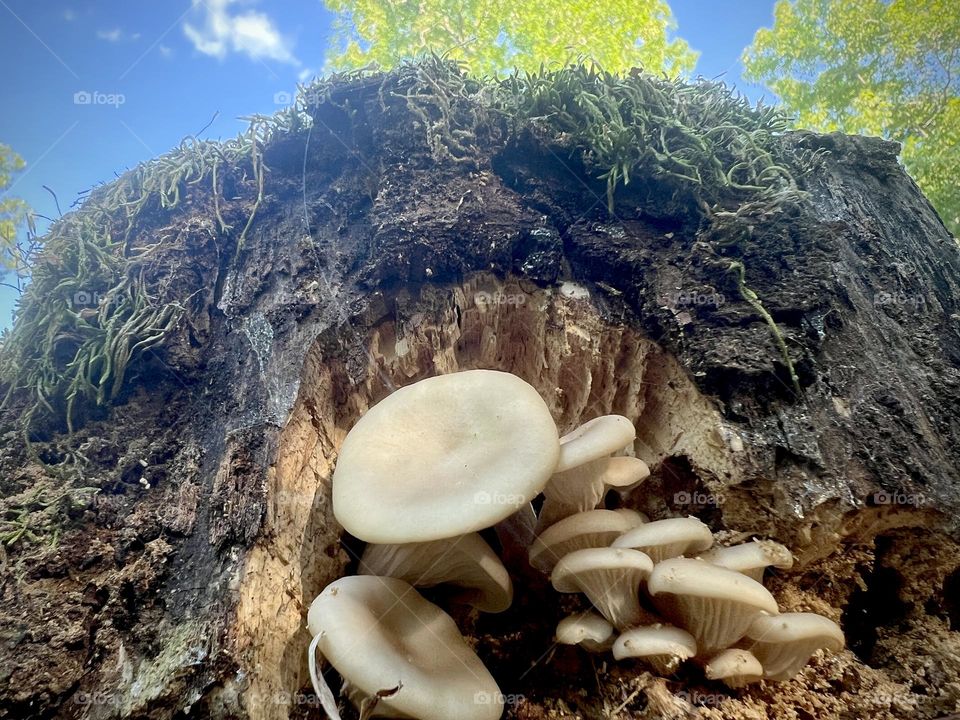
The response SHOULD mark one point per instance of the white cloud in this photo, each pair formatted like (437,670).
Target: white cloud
(69,15)
(114,35)
(165,51)
(246,32)
(306,74)
(117,35)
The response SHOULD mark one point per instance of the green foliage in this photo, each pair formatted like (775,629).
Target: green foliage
(491,36)
(14,212)
(879,67)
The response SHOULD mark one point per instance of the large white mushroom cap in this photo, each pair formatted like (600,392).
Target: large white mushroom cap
(664,539)
(380,634)
(590,529)
(784,643)
(466,561)
(609,577)
(715,604)
(662,646)
(445,456)
(595,439)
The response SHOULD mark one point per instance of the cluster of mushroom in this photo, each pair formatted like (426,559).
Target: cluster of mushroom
(427,468)
(638,574)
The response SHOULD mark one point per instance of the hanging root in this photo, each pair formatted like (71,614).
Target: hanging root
(751,297)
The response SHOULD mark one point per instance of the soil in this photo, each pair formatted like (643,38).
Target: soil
(180,534)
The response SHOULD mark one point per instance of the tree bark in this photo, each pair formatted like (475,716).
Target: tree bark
(372,263)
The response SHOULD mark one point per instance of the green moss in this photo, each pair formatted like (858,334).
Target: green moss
(711,149)
(92,306)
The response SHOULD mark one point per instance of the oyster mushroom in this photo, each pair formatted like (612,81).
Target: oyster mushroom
(595,439)
(466,561)
(445,456)
(583,487)
(751,558)
(735,668)
(397,651)
(784,643)
(609,577)
(588,630)
(663,647)
(664,539)
(714,604)
(590,529)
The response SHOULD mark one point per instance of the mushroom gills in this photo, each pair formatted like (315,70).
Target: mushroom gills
(466,561)
(785,643)
(583,487)
(610,578)
(590,529)
(714,604)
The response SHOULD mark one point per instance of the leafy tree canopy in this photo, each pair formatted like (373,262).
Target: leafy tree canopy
(490,36)
(13,211)
(880,67)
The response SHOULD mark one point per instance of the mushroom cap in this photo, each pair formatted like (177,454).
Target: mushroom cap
(588,629)
(751,558)
(595,439)
(715,604)
(784,643)
(445,456)
(466,561)
(735,667)
(593,528)
(664,539)
(609,577)
(583,487)
(379,633)
(663,646)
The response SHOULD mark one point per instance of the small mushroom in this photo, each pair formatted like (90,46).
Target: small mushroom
(663,647)
(751,558)
(664,539)
(714,604)
(466,561)
(735,668)
(588,630)
(609,577)
(583,487)
(595,439)
(784,643)
(444,456)
(590,529)
(397,651)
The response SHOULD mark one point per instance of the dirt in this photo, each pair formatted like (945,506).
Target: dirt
(175,579)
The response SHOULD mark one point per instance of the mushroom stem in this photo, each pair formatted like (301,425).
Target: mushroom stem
(327,701)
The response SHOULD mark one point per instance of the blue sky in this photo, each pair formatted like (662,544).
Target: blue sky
(93,88)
